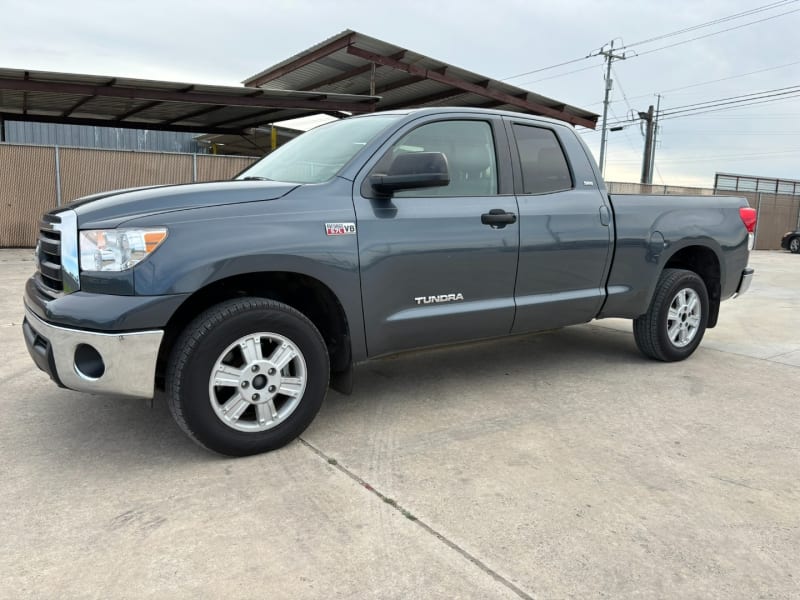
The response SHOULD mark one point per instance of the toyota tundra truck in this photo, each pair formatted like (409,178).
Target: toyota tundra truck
(243,301)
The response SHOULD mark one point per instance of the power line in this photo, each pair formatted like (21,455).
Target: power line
(560,75)
(732,99)
(707,35)
(721,104)
(756,10)
(710,110)
(714,22)
(561,64)
(702,83)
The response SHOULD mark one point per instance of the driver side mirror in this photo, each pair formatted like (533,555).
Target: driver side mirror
(412,170)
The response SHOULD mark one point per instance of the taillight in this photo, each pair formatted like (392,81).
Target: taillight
(749,216)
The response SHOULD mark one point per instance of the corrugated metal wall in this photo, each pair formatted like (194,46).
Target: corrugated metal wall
(27,190)
(28,186)
(218,168)
(107,138)
(85,171)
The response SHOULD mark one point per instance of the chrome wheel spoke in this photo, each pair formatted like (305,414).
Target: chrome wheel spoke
(672,315)
(227,376)
(674,331)
(251,349)
(282,356)
(266,412)
(693,320)
(291,386)
(234,407)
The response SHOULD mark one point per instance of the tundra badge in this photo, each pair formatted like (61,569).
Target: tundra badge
(439,298)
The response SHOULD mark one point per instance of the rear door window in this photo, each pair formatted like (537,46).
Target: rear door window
(543,164)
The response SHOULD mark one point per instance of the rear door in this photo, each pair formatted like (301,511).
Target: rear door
(431,271)
(565,228)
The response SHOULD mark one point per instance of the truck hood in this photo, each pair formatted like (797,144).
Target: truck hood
(109,209)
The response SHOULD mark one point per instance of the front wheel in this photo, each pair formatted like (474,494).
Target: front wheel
(247,376)
(794,244)
(673,326)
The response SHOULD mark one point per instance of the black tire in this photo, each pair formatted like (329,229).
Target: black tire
(794,245)
(195,357)
(651,329)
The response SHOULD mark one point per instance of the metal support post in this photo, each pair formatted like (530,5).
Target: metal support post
(194,167)
(58,177)
(647,161)
(655,138)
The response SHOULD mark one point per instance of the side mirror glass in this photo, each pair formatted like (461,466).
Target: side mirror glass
(412,170)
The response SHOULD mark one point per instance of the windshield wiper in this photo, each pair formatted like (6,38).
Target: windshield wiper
(252,178)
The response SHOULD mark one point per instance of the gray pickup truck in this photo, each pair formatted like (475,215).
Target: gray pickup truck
(245,300)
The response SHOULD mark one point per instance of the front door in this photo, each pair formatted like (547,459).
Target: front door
(431,271)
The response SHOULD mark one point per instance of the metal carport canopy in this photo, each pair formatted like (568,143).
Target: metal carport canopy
(352,62)
(161,105)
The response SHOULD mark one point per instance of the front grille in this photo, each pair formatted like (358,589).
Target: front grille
(48,254)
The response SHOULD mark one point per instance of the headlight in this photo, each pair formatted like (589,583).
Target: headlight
(117,249)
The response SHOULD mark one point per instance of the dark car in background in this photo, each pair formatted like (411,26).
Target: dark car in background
(791,241)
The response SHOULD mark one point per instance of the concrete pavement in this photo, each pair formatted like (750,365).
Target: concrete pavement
(559,465)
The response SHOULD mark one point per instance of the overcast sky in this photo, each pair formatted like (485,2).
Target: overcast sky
(225,42)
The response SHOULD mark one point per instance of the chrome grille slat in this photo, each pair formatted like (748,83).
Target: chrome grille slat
(48,256)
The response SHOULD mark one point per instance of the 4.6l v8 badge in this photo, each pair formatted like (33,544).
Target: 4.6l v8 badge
(340,228)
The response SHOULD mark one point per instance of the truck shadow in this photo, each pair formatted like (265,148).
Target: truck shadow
(124,433)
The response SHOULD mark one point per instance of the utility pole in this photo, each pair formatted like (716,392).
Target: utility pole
(647,161)
(609,57)
(655,137)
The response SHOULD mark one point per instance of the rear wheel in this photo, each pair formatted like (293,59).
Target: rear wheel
(247,376)
(794,244)
(675,323)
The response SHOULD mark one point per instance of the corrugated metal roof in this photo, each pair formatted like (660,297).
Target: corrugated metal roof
(141,103)
(403,79)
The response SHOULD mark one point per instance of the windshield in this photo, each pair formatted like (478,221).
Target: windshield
(319,154)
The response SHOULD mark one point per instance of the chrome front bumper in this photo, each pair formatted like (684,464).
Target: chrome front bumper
(87,361)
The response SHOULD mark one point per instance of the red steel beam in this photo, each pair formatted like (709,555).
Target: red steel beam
(178,96)
(466,86)
(302,61)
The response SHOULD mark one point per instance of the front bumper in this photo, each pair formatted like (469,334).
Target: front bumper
(86,361)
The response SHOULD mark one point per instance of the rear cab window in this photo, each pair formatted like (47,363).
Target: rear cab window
(543,165)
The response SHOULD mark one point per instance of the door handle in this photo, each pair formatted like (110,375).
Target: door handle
(498,218)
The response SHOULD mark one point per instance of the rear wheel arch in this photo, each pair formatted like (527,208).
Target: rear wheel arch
(705,262)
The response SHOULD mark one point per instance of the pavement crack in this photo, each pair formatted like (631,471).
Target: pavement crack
(407,514)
